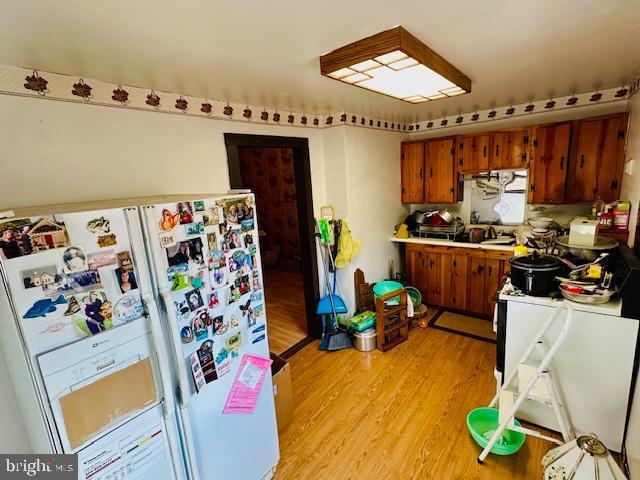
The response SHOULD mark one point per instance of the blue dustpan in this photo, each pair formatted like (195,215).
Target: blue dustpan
(324,305)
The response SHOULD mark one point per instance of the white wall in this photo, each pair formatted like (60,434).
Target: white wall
(631,191)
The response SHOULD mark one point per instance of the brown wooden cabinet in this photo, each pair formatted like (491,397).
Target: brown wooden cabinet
(473,153)
(549,163)
(412,172)
(441,177)
(456,277)
(597,158)
(510,149)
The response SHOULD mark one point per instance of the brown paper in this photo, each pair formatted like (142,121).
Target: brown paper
(106,401)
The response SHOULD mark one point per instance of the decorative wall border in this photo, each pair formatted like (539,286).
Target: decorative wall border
(23,82)
(18,81)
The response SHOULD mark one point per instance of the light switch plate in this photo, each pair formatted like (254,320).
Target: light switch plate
(628,167)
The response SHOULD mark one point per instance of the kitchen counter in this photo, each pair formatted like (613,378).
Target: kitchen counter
(450,243)
(613,307)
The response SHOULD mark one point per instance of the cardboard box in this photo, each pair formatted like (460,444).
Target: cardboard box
(282,392)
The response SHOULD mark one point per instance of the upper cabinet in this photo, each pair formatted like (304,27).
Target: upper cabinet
(549,163)
(597,158)
(473,153)
(412,172)
(510,149)
(441,177)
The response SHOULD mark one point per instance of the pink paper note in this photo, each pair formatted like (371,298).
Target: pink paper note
(247,384)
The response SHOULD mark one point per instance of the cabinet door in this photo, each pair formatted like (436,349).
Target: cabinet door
(549,161)
(441,183)
(510,149)
(476,293)
(494,270)
(412,266)
(412,172)
(611,158)
(473,153)
(445,283)
(459,265)
(584,161)
(433,278)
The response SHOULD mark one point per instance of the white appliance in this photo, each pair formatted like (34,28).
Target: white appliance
(594,366)
(214,241)
(81,336)
(100,370)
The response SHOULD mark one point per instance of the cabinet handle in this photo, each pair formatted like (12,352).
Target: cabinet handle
(461,162)
(402,189)
(484,151)
(451,190)
(497,150)
(489,270)
(524,157)
(420,173)
(431,171)
(562,162)
(581,161)
(455,264)
(480,268)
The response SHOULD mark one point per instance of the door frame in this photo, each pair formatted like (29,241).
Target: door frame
(304,203)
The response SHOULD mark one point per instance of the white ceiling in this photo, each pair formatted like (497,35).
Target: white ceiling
(265,53)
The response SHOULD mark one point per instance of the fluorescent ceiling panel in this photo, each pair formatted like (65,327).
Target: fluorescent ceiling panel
(409,82)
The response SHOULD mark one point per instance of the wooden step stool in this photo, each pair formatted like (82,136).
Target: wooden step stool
(392,324)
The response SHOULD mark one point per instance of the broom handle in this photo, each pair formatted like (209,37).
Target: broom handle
(326,275)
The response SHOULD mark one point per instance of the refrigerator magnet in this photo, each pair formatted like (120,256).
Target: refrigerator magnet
(212,242)
(196,370)
(126,279)
(258,312)
(234,321)
(185,213)
(248,239)
(218,277)
(169,220)
(233,342)
(37,277)
(214,301)
(197,280)
(74,260)
(98,313)
(194,228)
(259,338)
(167,240)
(101,259)
(125,261)
(25,236)
(198,206)
(180,281)
(205,317)
(108,240)
(100,225)
(194,299)
(223,329)
(256,280)
(188,251)
(217,323)
(186,334)
(199,329)
(182,310)
(211,216)
(43,307)
(207,363)
(256,296)
(127,308)
(259,328)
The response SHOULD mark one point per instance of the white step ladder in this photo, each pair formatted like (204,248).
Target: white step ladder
(536,383)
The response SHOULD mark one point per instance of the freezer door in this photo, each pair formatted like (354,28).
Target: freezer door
(206,262)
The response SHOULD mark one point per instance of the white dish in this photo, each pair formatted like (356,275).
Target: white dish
(541,222)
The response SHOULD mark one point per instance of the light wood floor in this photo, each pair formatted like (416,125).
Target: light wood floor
(396,415)
(284,297)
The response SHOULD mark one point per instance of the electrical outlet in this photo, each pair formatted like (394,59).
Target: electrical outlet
(628,167)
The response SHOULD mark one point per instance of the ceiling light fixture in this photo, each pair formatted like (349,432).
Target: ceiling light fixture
(397,64)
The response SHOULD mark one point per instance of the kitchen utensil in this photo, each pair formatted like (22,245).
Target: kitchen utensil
(477,235)
(502,240)
(482,423)
(596,297)
(387,286)
(535,274)
(602,244)
(491,233)
(414,295)
(585,458)
(447,216)
(541,222)
(423,218)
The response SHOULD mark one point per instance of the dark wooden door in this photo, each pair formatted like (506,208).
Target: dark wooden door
(459,266)
(549,162)
(441,178)
(432,263)
(476,294)
(510,149)
(412,172)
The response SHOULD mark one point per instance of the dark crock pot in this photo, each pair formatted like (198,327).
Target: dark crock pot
(535,274)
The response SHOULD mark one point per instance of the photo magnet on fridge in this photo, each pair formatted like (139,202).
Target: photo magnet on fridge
(127,308)
(101,259)
(231,241)
(182,310)
(97,310)
(169,220)
(238,212)
(212,242)
(39,277)
(196,370)
(198,205)
(211,216)
(73,283)
(125,261)
(207,361)
(186,334)
(25,236)
(199,328)
(167,240)
(188,251)
(185,213)
(195,228)
(74,260)
(194,299)
(126,280)
(99,225)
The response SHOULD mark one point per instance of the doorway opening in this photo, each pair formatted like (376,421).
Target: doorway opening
(278,172)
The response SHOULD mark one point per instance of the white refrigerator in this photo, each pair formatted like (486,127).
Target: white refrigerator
(205,259)
(82,340)
(124,326)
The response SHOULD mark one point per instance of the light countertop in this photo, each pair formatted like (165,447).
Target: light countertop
(613,307)
(449,243)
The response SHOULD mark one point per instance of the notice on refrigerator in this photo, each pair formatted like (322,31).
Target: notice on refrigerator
(247,385)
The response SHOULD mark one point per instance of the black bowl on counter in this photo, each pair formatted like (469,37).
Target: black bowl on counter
(535,274)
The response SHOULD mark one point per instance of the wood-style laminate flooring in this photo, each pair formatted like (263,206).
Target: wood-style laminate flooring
(284,298)
(397,415)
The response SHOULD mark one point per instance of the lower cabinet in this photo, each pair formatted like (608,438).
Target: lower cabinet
(459,278)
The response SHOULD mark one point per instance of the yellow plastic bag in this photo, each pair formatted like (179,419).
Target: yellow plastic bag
(348,247)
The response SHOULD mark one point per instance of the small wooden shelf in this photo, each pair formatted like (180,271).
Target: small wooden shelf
(392,324)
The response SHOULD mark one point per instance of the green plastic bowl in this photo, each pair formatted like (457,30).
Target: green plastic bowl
(387,286)
(482,422)
(415,296)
